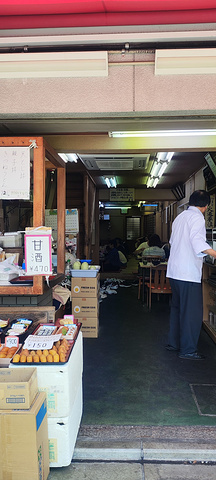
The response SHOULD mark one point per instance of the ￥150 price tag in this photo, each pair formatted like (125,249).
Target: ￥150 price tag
(11,341)
(35,342)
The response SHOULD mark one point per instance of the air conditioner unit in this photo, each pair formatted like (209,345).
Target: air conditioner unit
(178,191)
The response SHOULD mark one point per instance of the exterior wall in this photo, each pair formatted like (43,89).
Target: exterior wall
(127,89)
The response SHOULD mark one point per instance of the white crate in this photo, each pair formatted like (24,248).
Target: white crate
(62,433)
(60,382)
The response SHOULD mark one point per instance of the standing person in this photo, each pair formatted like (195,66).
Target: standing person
(184,270)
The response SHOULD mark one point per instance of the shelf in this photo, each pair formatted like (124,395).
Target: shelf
(210,330)
(45,157)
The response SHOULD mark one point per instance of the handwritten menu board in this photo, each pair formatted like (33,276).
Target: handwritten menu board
(14,173)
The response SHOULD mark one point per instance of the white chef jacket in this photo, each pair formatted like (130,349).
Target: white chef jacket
(188,240)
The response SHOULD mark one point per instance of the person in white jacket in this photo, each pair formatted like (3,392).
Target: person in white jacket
(188,247)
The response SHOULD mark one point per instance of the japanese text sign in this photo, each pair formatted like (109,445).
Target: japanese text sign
(38,254)
(15,173)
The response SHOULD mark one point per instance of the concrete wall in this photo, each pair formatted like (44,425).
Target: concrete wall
(130,87)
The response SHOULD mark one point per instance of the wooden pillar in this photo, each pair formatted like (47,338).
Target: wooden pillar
(61,206)
(86,216)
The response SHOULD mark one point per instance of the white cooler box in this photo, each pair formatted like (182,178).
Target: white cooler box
(60,382)
(62,433)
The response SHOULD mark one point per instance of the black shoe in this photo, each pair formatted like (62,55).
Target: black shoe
(192,356)
(171,348)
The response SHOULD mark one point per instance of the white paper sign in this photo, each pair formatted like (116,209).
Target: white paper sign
(35,342)
(38,254)
(15,173)
(11,341)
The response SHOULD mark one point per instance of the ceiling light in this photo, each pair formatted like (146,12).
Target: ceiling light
(164,133)
(150,182)
(115,207)
(110,182)
(163,167)
(69,157)
(156,180)
(107,180)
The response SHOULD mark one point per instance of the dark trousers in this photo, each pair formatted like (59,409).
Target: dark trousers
(186,315)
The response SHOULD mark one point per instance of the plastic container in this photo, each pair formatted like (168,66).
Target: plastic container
(86,273)
(11,240)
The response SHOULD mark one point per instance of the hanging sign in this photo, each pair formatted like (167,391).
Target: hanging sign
(38,251)
(14,173)
(122,194)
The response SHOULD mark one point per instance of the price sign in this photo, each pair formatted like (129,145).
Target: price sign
(38,254)
(35,342)
(11,341)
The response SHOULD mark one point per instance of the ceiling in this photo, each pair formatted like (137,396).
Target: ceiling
(131,168)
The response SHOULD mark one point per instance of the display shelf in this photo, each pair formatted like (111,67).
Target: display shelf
(210,329)
(45,158)
(209,303)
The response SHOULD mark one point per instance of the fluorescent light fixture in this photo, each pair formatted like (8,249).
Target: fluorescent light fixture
(150,182)
(107,180)
(53,64)
(156,180)
(163,167)
(63,157)
(115,208)
(159,167)
(69,157)
(185,61)
(111,182)
(164,133)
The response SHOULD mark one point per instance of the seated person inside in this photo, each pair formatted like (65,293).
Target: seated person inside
(122,251)
(154,248)
(141,244)
(111,261)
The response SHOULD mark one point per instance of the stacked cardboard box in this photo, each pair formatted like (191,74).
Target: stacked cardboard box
(85,303)
(63,386)
(24,452)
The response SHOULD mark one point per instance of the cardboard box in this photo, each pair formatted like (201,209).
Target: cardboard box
(60,382)
(24,452)
(90,327)
(18,388)
(85,287)
(85,307)
(62,433)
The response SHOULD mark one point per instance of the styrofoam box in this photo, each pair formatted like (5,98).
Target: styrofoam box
(62,433)
(60,382)
(85,273)
(13,240)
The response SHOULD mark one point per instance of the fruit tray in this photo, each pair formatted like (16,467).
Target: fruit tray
(43,357)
